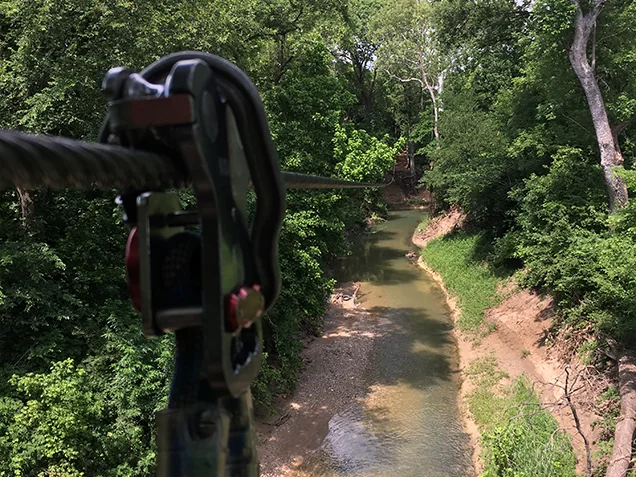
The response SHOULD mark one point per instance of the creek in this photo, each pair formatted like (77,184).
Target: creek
(408,424)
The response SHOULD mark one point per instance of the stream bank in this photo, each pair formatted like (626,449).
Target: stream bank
(519,341)
(329,382)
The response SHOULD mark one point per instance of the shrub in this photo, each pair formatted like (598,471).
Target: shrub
(528,442)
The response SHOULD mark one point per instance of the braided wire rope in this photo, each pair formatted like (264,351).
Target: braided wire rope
(29,161)
(294,180)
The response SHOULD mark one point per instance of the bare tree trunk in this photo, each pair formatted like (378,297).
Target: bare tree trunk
(410,156)
(568,390)
(626,425)
(435,113)
(585,23)
(27,209)
(440,87)
(433,94)
(373,82)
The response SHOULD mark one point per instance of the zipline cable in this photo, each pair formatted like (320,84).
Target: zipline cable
(29,161)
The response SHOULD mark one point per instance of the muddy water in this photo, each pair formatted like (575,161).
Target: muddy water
(408,423)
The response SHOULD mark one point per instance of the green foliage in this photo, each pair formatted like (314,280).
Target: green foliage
(568,201)
(486,372)
(455,257)
(362,157)
(593,282)
(527,441)
(616,62)
(355,44)
(421,227)
(484,38)
(520,155)
(29,279)
(306,109)
(86,384)
(561,235)
(571,192)
(519,436)
(57,420)
(269,377)
(470,166)
(55,426)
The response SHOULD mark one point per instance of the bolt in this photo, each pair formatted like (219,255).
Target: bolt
(114,81)
(207,424)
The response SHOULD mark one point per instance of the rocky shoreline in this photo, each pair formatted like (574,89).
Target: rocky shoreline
(332,378)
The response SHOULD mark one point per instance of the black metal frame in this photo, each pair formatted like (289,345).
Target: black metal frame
(207,427)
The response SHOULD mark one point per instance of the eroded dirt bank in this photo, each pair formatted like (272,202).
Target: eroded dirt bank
(330,381)
(521,342)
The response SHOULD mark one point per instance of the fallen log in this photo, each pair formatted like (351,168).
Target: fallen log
(626,425)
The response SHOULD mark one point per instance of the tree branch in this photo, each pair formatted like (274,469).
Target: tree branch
(405,80)
(618,128)
(567,390)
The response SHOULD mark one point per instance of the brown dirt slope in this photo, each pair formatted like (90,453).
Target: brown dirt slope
(519,342)
(438,226)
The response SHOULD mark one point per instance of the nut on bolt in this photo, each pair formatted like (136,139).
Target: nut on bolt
(244,307)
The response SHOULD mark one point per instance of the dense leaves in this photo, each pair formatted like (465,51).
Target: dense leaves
(518,150)
(481,95)
(523,149)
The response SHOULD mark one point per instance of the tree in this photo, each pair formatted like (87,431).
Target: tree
(564,96)
(611,157)
(472,164)
(355,47)
(410,50)
(69,336)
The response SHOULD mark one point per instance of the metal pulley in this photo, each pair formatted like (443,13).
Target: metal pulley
(206,275)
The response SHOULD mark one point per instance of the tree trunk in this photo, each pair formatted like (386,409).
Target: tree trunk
(624,433)
(410,157)
(440,88)
(610,157)
(617,129)
(431,91)
(435,114)
(27,209)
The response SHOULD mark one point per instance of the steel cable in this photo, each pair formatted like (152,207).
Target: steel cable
(294,180)
(29,161)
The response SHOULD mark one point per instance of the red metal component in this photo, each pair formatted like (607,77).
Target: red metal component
(243,307)
(133,268)
(142,113)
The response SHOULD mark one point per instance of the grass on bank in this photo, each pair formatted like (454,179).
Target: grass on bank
(465,275)
(520,438)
